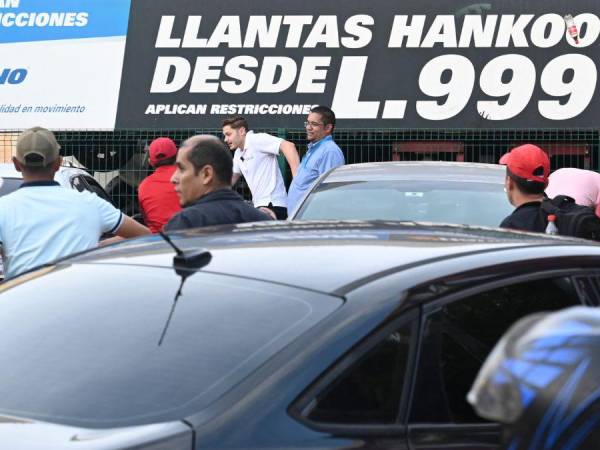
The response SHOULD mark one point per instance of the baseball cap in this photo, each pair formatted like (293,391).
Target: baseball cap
(528,162)
(40,142)
(161,148)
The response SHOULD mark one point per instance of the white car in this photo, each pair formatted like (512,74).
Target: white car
(67,176)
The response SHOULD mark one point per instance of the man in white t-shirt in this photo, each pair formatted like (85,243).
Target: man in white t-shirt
(256,158)
(43,221)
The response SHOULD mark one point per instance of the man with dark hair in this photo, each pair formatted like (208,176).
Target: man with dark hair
(322,155)
(157,197)
(527,171)
(256,157)
(42,221)
(203,183)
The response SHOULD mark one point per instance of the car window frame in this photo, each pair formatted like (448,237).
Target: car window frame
(299,409)
(85,180)
(433,305)
(301,203)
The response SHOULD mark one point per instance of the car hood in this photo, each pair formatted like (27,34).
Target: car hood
(23,434)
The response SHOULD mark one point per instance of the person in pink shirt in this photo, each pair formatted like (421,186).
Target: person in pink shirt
(582,185)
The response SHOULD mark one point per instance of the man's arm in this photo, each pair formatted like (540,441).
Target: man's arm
(131,228)
(331,159)
(234,178)
(288,149)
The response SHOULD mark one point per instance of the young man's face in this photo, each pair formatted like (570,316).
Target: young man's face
(315,128)
(234,138)
(189,185)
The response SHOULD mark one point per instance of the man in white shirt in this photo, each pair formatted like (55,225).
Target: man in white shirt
(43,221)
(256,158)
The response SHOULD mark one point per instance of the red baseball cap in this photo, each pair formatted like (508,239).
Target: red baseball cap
(161,148)
(528,162)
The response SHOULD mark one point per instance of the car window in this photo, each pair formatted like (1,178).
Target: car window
(97,363)
(471,203)
(459,336)
(9,185)
(369,391)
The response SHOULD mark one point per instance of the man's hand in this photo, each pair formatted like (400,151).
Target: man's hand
(269,212)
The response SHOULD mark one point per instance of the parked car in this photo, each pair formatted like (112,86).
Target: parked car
(432,191)
(67,176)
(274,335)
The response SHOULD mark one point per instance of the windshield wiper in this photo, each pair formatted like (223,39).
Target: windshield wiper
(185,263)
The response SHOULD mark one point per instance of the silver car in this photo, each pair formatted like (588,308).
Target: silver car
(424,191)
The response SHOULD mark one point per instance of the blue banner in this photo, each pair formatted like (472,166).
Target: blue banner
(42,20)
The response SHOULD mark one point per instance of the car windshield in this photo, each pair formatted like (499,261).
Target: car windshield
(81,349)
(8,185)
(470,203)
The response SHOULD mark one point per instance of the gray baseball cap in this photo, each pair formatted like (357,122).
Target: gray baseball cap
(37,141)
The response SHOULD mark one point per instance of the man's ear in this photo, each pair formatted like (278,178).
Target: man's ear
(510,183)
(329,128)
(56,164)
(17,164)
(208,174)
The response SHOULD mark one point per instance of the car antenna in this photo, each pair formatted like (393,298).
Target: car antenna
(185,263)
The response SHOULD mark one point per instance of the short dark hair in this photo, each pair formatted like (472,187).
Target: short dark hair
(527,186)
(236,122)
(327,115)
(211,151)
(165,162)
(35,168)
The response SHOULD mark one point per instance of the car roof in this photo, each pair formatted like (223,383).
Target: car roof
(418,170)
(322,256)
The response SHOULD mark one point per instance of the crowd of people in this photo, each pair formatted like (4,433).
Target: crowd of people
(192,187)
(540,198)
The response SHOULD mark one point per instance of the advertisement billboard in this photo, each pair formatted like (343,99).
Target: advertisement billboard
(377,64)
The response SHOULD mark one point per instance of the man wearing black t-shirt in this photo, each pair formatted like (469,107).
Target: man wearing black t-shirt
(527,171)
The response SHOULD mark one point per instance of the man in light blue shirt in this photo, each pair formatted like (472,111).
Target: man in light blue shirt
(42,221)
(322,154)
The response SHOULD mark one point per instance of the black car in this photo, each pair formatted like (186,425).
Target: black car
(282,336)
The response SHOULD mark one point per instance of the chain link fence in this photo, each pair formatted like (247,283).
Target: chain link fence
(118,159)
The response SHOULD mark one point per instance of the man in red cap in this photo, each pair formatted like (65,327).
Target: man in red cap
(527,172)
(157,196)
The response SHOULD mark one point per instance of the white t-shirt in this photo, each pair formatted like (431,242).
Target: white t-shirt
(41,223)
(258,163)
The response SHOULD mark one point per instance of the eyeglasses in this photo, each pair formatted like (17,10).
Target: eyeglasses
(313,124)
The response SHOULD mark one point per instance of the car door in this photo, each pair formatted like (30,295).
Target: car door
(364,396)
(458,332)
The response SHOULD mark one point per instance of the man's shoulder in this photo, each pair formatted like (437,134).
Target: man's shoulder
(260,139)
(190,217)
(332,146)
(151,180)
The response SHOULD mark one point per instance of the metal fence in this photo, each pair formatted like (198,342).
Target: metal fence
(118,159)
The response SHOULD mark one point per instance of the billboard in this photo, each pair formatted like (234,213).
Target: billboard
(378,64)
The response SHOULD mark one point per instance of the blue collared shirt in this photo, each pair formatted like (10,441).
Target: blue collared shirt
(320,157)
